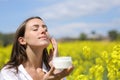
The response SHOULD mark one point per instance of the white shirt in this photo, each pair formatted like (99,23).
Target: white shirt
(10,74)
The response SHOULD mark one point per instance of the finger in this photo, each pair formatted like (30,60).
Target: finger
(70,69)
(66,72)
(55,47)
(51,52)
(50,75)
(40,72)
(51,39)
(51,71)
(54,42)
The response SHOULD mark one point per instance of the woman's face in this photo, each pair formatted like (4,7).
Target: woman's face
(36,33)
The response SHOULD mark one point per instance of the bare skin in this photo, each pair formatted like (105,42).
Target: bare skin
(36,39)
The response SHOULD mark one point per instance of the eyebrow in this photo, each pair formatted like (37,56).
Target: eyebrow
(44,25)
(36,25)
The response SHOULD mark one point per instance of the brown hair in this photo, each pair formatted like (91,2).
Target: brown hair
(18,55)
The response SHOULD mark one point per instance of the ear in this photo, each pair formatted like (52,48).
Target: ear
(22,40)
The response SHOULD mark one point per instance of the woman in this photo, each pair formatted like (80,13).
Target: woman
(29,59)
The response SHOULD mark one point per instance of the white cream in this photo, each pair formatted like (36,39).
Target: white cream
(62,62)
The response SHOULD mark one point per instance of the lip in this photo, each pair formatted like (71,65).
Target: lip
(43,37)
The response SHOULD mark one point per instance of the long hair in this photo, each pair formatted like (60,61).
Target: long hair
(18,54)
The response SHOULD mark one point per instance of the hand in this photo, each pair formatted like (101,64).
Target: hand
(51,75)
(39,74)
(54,50)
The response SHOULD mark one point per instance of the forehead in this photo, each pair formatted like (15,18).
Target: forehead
(34,22)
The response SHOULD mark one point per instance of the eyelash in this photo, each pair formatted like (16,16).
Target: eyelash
(35,29)
(46,30)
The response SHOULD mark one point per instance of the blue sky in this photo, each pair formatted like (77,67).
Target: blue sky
(63,17)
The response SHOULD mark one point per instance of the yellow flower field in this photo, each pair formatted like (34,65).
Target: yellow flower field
(92,60)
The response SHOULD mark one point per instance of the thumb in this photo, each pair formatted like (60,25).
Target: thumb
(40,71)
(49,75)
(51,70)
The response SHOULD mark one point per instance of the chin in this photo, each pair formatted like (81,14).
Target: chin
(46,44)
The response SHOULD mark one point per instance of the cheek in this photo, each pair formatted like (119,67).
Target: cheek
(48,35)
(29,38)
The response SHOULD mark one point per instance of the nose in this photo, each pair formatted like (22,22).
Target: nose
(43,30)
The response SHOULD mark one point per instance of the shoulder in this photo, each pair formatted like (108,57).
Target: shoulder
(7,73)
(12,74)
(7,70)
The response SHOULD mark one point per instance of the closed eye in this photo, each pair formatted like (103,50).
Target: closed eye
(35,27)
(45,27)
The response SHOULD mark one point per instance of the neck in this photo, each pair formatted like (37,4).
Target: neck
(34,57)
